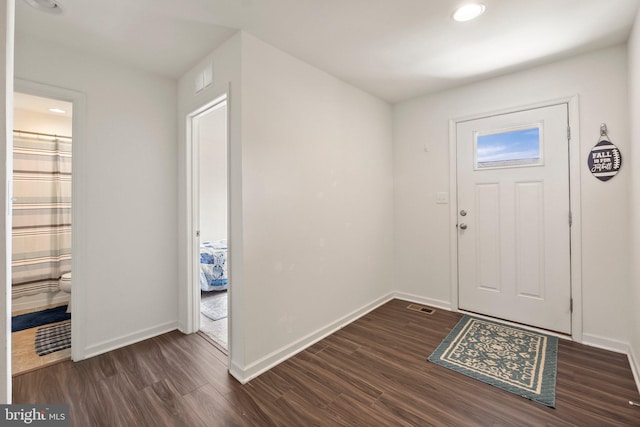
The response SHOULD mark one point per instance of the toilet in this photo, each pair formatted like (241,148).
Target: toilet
(65,285)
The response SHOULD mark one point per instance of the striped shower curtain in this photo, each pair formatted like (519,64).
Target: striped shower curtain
(41,212)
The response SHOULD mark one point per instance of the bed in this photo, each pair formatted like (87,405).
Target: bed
(213,266)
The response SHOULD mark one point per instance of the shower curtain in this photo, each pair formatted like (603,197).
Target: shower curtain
(41,212)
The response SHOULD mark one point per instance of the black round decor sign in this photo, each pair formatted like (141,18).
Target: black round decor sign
(604,160)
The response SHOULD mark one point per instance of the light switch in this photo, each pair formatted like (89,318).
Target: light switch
(442,198)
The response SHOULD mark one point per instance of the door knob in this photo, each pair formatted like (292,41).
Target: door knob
(463,226)
(463,213)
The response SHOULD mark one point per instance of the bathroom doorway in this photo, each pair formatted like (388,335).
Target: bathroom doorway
(209,143)
(41,231)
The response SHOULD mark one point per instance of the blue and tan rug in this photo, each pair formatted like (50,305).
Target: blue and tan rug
(514,359)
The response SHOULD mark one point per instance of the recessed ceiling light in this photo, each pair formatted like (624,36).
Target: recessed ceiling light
(49,6)
(57,110)
(468,12)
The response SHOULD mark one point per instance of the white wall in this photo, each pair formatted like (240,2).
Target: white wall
(634,164)
(422,227)
(126,213)
(311,191)
(317,202)
(213,175)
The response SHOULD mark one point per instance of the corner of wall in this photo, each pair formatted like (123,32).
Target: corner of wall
(633,52)
(127,339)
(247,373)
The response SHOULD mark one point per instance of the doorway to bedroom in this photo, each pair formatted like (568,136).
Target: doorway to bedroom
(209,138)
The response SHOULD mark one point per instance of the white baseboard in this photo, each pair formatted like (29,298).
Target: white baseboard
(617,347)
(587,339)
(237,372)
(445,305)
(246,374)
(606,343)
(125,340)
(39,300)
(635,367)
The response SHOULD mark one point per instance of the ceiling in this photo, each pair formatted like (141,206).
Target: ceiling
(394,49)
(40,105)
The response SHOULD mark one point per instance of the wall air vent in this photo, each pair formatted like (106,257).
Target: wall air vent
(204,78)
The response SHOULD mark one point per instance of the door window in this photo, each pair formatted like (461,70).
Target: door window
(509,148)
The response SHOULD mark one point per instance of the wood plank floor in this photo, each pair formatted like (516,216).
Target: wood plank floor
(371,373)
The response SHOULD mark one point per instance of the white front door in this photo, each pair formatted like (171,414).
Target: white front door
(514,217)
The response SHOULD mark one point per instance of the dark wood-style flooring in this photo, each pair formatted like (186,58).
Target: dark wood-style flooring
(371,373)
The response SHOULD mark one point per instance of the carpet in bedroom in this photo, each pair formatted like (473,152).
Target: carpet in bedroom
(214,304)
(216,331)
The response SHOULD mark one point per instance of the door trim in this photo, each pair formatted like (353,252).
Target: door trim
(193,213)
(574,193)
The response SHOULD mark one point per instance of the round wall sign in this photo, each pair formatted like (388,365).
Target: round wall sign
(604,160)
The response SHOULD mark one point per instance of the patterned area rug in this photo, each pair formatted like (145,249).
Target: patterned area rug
(53,338)
(514,359)
(214,304)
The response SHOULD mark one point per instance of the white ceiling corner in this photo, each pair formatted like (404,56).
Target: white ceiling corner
(394,49)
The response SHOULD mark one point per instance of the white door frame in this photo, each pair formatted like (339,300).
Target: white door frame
(574,191)
(193,216)
(79,248)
